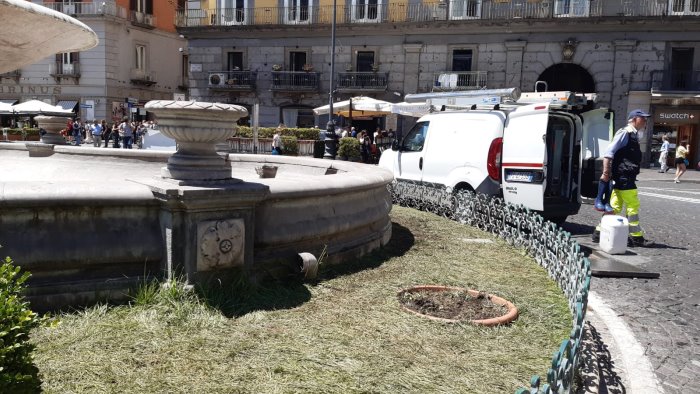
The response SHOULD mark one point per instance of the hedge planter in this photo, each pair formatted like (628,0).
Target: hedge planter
(455,304)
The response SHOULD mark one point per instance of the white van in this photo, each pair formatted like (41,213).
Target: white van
(532,154)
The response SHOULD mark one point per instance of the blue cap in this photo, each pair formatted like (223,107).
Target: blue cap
(637,112)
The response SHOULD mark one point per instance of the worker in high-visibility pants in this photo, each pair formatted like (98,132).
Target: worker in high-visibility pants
(621,163)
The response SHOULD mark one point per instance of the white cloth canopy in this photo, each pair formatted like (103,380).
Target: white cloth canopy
(5,108)
(32,107)
(361,106)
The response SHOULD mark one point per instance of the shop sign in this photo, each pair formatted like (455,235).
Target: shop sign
(676,116)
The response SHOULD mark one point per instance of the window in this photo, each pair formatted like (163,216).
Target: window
(297,60)
(462,60)
(234,61)
(364,60)
(141,6)
(297,11)
(367,11)
(415,139)
(140,58)
(681,68)
(233,12)
(465,9)
(67,61)
(684,7)
(298,117)
(571,8)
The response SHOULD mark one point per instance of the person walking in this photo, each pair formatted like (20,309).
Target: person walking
(663,154)
(681,160)
(115,135)
(77,133)
(126,133)
(96,132)
(277,141)
(621,163)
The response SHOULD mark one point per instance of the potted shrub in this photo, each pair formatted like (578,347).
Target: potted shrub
(290,146)
(349,149)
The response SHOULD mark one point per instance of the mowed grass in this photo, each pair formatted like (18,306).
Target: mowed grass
(342,334)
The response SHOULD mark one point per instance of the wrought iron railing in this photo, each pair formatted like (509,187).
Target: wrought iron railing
(85,8)
(675,80)
(233,80)
(459,80)
(142,19)
(295,81)
(60,69)
(362,81)
(549,245)
(466,10)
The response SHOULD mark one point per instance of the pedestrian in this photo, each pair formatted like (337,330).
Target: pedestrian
(681,160)
(106,133)
(277,141)
(663,154)
(115,135)
(87,128)
(96,132)
(621,163)
(77,133)
(126,133)
(353,132)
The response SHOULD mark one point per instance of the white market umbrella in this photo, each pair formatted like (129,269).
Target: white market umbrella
(36,107)
(361,106)
(5,108)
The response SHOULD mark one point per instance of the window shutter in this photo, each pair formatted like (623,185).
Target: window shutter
(149,7)
(132,5)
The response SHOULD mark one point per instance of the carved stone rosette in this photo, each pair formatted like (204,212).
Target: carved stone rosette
(220,244)
(53,126)
(197,127)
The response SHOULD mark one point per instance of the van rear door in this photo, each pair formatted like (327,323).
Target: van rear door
(598,129)
(524,170)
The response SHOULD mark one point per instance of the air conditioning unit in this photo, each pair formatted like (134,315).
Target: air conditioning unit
(217,79)
(148,19)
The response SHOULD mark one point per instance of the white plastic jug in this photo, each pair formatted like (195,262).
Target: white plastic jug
(613,234)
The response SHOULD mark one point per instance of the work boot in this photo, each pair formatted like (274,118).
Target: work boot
(599,206)
(596,236)
(609,208)
(634,242)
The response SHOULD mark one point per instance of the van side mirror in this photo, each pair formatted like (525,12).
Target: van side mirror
(395,145)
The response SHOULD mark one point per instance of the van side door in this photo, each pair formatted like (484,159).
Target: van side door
(411,152)
(523,166)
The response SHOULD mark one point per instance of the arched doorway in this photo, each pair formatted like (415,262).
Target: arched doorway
(568,76)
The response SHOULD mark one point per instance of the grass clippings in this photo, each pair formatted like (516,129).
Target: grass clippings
(343,334)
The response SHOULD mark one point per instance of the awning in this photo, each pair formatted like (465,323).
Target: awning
(9,101)
(68,105)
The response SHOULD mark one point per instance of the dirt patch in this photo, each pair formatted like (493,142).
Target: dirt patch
(451,304)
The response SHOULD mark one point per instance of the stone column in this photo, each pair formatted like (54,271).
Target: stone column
(514,64)
(622,70)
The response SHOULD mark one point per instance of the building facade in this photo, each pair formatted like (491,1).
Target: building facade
(277,54)
(139,58)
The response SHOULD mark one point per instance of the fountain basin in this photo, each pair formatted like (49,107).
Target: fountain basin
(92,223)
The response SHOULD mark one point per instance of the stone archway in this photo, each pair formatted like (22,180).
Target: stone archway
(568,76)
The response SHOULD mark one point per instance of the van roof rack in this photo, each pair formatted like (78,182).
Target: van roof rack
(496,98)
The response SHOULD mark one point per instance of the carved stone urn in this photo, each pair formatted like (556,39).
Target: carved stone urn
(53,126)
(197,127)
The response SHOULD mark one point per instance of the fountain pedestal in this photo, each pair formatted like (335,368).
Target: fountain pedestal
(207,216)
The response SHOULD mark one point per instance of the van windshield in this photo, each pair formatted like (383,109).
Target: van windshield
(415,139)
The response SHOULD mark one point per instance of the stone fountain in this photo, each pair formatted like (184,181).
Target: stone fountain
(94,224)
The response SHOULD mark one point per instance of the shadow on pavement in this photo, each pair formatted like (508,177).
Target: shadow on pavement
(597,373)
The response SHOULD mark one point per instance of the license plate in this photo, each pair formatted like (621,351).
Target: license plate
(519,177)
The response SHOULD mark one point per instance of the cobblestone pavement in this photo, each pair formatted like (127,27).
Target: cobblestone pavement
(662,313)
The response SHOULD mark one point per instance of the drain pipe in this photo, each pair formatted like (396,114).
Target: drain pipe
(308,265)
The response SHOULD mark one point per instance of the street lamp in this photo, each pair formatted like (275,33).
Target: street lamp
(331,138)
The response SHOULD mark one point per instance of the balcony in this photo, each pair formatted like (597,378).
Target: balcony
(447,81)
(142,77)
(295,81)
(78,9)
(233,80)
(16,75)
(62,70)
(362,81)
(141,19)
(675,81)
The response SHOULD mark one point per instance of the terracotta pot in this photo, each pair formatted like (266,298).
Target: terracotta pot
(511,315)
